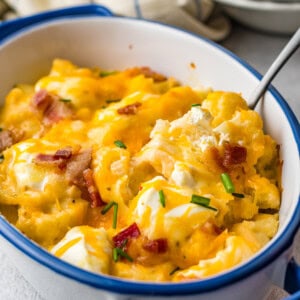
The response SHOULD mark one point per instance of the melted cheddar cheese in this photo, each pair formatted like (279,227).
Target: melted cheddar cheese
(102,168)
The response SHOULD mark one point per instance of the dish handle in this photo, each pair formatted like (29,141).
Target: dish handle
(13,26)
(292,277)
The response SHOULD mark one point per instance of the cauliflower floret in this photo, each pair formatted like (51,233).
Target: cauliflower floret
(86,247)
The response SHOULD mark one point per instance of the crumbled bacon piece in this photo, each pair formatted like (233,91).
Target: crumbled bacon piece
(149,73)
(76,165)
(59,158)
(6,140)
(63,153)
(233,155)
(53,110)
(94,195)
(156,246)
(217,158)
(130,109)
(129,233)
(42,99)
(211,228)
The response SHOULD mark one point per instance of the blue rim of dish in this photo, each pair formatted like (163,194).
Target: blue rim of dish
(295,296)
(122,286)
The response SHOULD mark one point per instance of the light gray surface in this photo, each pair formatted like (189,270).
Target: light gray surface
(259,50)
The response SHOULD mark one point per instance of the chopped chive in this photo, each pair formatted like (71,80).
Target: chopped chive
(120,144)
(162,198)
(115,254)
(112,100)
(1,158)
(238,195)
(124,254)
(200,200)
(107,73)
(115,215)
(203,201)
(65,100)
(226,180)
(196,104)
(174,270)
(107,207)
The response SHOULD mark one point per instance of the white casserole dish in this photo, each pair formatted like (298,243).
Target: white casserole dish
(27,48)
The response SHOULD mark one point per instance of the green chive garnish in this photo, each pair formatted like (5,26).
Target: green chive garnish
(115,216)
(120,144)
(65,100)
(115,254)
(107,207)
(195,104)
(112,100)
(203,201)
(174,270)
(107,73)
(226,180)
(124,254)
(1,158)
(162,198)
(200,200)
(238,195)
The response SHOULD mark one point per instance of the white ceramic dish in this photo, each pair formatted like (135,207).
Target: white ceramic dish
(27,48)
(269,16)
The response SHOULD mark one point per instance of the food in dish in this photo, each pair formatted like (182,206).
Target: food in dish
(130,174)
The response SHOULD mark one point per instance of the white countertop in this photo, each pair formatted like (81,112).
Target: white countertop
(259,50)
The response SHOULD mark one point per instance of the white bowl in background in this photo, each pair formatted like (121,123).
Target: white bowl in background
(27,48)
(269,16)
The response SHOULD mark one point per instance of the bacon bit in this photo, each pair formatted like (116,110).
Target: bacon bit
(42,99)
(130,109)
(217,158)
(149,73)
(233,155)
(94,195)
(59,158)
(6,140)
(77,164)
(53,110)
(63,153)
(41,158)
(156,246)
(211,228)
(129,233)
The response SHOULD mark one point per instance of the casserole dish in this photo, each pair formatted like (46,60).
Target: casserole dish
(116,43)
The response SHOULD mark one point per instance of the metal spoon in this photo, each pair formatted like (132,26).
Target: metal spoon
(281,59)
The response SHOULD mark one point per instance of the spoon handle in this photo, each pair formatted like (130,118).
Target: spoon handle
(284,55)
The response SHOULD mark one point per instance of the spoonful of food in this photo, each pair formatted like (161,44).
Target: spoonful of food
(281,59)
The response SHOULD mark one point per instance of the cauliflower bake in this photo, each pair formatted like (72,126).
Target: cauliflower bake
(128,173)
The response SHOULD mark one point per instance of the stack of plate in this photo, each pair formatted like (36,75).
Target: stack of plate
(278,16)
